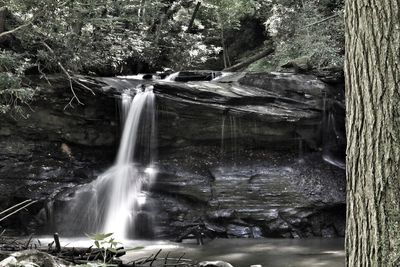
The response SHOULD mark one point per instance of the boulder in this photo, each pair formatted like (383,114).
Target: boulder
(33,258)
(187,76)
(214,264)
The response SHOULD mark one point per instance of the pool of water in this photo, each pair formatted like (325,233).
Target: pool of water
(239,252)
(265,252)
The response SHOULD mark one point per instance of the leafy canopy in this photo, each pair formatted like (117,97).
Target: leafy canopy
(111,37)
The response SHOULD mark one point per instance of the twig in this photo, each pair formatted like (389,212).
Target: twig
(50,245)
(15,30)
(68,76)
(180,258)
(84,86)
(146,259)
(176,264)
(15,206)
(57,242)
(65,3)
(90,254)
(166,258)
(155,257)
(320,21)
(28,242)
(42,73)
(14,212)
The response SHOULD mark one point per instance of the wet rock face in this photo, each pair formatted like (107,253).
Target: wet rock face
(246,156)
(54,148)
(265,194)
(243,155)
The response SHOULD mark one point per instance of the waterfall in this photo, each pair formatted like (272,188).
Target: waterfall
(109,204)
(124,178)
(222,135)
(234,137)
(171,77)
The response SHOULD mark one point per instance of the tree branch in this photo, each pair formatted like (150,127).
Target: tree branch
(196,10)
(251,59)
(320,21)
(15,30)
(68,76)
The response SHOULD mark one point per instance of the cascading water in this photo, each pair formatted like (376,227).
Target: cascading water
(222,135)
(171,77)
(125,179)
(109,204)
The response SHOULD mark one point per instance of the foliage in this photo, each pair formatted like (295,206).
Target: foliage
(14,93)
(229,12)
(99,36)
(299,31)
(110,37)
(265,64)
(224,15)
(108,245)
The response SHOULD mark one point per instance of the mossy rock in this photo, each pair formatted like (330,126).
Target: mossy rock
(33,258)
(299,65)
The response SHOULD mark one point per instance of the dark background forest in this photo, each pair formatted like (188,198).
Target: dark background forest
(108,38)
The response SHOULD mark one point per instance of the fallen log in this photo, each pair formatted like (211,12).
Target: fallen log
(250,60)
(89,255)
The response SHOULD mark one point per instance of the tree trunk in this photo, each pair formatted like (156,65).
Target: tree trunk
(373,132)
(251,59)
(142,11)
(223,47)
(3,15)
(196,10)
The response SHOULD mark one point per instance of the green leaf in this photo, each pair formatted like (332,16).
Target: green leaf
(113,250)
(99,236)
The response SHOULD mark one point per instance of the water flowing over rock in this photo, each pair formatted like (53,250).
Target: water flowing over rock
(246,155)
(109,203)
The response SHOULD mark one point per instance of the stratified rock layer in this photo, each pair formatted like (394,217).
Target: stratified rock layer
(242,156)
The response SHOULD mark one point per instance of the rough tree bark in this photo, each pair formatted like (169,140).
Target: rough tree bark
(196,10)
(3,14)
(373,132)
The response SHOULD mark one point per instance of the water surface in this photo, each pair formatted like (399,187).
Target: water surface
(239,252)
(265,252)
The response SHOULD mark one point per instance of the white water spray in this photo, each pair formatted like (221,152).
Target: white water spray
(110,203)
(127,180)
(171,77)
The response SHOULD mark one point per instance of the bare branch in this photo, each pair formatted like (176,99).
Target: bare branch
(248,61)
(84,86)
(15,206)
(18,210)
(320,21)
(68,76)
(15,30)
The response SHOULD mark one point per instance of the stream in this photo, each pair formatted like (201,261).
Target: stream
(239,252)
